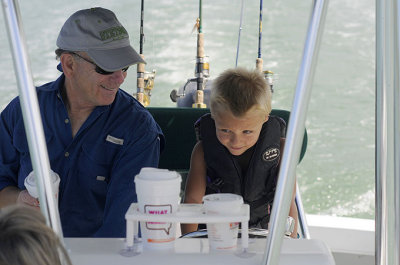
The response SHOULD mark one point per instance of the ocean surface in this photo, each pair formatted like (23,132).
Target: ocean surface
(336,176)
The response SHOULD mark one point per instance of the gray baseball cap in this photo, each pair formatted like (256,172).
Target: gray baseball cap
(98,32)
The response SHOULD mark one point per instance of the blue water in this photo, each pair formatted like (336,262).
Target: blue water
(337,174)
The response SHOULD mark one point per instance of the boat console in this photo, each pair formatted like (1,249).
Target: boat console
(192,250)
(196,251)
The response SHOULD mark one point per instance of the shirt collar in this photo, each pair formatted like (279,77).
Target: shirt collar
(59,85)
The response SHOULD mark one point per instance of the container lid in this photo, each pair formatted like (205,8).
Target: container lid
(149,173)
(222,202)
(30,183)
(222,198)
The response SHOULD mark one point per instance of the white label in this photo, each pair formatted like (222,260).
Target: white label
(114,140)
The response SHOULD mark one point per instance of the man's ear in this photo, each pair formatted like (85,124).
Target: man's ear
(68,64)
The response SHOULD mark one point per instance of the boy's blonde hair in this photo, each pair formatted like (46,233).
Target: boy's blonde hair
(25,239)
(239,90)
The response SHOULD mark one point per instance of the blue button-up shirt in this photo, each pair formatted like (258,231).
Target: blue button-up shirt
(97,167)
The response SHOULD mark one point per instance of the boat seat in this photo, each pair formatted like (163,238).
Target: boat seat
(177,125)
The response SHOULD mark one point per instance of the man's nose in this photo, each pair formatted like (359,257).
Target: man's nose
(118,76)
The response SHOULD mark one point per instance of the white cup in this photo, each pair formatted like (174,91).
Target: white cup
(158,193)
(222,236)
(30,184)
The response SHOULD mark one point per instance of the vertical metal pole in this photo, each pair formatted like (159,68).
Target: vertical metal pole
(396,133)
(305,232)
(380,120)
(31,115)
(294,136)
(387,199)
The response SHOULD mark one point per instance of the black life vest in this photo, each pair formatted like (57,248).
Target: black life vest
(224,174)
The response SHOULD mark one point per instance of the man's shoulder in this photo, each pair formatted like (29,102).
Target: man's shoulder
(52,85)
(125,102)
(12,108)
(132,112)
(125,98)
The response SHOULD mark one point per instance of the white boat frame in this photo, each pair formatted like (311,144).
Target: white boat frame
(351,240)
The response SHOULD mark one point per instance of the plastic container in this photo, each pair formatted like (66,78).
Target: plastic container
(222,236)
(158,193)
(30,184)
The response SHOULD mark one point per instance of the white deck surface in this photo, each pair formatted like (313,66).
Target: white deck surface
(351,240)
(194,251)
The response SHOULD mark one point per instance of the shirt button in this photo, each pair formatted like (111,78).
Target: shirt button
(66,154)
(66,120)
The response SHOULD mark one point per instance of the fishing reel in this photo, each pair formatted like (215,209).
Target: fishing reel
(202,69)
(269,77)
(175,95)
(148,79)
(148,86)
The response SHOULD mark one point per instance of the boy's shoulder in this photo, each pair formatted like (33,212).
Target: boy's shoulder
(202,123)
(280,122)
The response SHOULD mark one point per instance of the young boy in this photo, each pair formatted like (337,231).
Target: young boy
(239,147)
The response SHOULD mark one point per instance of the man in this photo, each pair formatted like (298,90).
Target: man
(98,136)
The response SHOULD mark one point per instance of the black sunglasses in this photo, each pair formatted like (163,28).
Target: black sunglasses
(98,69)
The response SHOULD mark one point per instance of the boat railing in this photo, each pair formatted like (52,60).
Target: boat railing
(294,134)
(31,115)
(37,144)
(304,231)
(387,160)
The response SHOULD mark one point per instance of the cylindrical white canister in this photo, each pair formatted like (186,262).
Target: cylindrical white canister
(222,236)
(30,184)
(158,193)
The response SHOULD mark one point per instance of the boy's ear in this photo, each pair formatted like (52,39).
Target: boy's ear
(266,118)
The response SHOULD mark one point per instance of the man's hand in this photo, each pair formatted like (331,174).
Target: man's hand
(27,200)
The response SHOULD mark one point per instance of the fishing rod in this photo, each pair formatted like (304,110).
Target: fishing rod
(240,30)
(141,27)
(199,99)
(259,61)
(140,66)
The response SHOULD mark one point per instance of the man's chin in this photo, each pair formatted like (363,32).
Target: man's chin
(107,99)
(105,102)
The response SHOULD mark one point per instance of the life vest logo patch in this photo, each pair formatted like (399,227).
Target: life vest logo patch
(271,154)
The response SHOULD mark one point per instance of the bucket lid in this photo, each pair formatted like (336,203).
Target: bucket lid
(30,182)
(222,200)
(149,173)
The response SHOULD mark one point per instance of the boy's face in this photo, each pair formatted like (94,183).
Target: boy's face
(239,134)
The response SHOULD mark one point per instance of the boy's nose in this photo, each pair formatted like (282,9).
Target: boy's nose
(234,139)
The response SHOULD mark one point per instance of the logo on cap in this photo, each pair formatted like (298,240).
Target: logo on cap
(271,154)
(114,33)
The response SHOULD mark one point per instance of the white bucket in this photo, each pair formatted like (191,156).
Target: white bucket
(158,193)
(30,184)
(222,236)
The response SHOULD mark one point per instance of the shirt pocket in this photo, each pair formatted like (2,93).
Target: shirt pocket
(96,163)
